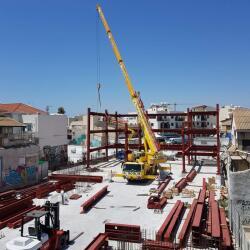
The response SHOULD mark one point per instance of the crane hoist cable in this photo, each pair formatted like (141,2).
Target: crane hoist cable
(98,63)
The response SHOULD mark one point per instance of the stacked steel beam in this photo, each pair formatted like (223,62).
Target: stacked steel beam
(123,232)
(165,233)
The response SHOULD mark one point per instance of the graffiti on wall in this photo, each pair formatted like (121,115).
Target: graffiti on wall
(22,175)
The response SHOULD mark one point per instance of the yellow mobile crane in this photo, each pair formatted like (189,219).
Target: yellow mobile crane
(146,164)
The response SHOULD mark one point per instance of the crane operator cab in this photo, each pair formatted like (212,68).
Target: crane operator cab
(133,170)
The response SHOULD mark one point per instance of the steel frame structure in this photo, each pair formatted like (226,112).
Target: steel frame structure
(186,149)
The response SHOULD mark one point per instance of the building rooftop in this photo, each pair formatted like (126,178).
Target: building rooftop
(226,122)
(9,122)
(20,108)
(242,119)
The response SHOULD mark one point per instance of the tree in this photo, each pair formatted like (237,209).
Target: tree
(61,110)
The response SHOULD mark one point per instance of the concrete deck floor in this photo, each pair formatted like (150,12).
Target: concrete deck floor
(118,206)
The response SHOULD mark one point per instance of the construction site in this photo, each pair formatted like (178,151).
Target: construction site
(136,191)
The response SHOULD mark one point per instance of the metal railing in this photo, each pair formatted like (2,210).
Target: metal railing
(10,140)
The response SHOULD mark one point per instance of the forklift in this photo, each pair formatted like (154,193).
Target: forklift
(45,235)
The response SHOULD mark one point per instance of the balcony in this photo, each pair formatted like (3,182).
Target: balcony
(20,139)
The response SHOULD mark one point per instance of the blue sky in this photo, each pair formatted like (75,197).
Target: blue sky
(188,52)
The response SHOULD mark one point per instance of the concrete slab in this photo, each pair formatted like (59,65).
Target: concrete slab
(125,203)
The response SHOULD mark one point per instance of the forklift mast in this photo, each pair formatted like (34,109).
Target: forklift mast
(52,215)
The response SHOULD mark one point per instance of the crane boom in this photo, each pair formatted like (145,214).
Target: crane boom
(149,136)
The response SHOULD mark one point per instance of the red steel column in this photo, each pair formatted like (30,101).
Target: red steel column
(88,138)
(189,131)
(126,142)
(106,135)
(218,137)
(183,151)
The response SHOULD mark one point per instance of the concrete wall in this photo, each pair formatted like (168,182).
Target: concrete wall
(239,185)
(50,129)
(19,167)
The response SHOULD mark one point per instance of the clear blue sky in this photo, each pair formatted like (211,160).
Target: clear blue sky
(189,52)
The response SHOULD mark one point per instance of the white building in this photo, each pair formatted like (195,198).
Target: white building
(51,130)
(165,120)
(131,121)
(204,121)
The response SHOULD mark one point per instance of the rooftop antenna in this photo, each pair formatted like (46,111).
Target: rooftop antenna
(47,108)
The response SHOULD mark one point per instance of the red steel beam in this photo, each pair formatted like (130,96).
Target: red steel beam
(202,154)
(150,115)
(202,196)
(15,216)
(226,237)
(186,226)
(215,220)
(211,196)
(158,245)
(191,175)
(197,216)
(160,233)
(93,200)
(192,113)
(106,130)
(182,183)
(123,232)
(169,232)
(80,178)
(163,185)
(209,221)
(98,242)
(17,205)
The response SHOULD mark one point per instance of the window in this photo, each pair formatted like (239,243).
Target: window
(152,125)
(29,127)
(172,124)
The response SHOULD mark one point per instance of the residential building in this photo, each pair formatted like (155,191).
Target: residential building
(50,130)
(226,112)
(19,156)
(204,121)
(165,120)
(226,126)
(241,129)
(131,121)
